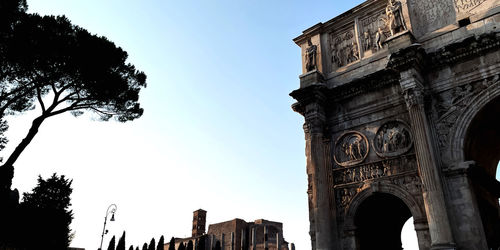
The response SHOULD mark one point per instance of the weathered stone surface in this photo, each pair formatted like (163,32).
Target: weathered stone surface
(404,111)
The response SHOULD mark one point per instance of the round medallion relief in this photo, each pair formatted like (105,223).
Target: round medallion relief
(392,138)
(351,148)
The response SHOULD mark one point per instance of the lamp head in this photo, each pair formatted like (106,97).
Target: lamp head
(112,217)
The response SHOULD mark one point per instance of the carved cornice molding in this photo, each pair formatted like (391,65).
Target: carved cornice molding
(365,84)
(308,95)
(468,48)
(412,56)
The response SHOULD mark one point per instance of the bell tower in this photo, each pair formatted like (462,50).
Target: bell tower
(199,219)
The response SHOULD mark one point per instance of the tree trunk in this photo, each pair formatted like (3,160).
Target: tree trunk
(24,143)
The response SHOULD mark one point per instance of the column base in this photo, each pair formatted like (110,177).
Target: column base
(444,246)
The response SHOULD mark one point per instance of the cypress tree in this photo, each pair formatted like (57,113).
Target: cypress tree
(152,244)
(111,245)
(121,242)
(181,246)
(145,246)
(161,243)
(171,245)
(190,245)
(131,247)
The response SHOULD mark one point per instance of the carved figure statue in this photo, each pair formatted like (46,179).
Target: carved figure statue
(367,40)
(311,56)
(394,15)
(335,55)
(354,51)
(378,39)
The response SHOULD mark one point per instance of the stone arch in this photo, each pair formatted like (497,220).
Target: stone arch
(458,133)
(369,190)
(388,188)
(475,146)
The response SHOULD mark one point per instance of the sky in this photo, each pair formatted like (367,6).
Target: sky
(217,133)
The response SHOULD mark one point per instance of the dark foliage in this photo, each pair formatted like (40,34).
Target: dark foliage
(152,244)
(161,243)
(121,242)
(49,56)
(181,246)
(171,245)
(145,246)
(46,207)
(111,245)
(190,245)
(131,247)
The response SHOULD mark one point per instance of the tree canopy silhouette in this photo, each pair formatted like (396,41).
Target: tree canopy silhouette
(60,67)
(47,206)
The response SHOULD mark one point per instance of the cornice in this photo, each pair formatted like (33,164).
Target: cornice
(470,47)
(308,95)
(364,84)
(412,56)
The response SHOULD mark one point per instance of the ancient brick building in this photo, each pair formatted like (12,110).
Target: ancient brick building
(401,101)
(235,234)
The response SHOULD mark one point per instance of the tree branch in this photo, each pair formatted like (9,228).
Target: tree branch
(39,97)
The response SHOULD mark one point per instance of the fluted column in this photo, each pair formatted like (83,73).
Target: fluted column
(432,190)
(319,209)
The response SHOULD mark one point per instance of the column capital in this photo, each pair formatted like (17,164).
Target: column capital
(414,97)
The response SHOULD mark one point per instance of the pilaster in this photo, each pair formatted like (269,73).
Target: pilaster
(412,85)
(311,104)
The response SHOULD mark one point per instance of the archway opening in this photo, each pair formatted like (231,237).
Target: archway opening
(482,145)
(379,221)
(409,238)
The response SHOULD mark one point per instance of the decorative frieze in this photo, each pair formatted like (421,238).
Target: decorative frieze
(409,181)
(374,170)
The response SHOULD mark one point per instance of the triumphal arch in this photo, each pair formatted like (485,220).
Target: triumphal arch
(401,101)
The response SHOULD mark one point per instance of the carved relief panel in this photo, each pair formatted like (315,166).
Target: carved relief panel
(351,148)
(343,48)
(373,32)
(401,172)
(449,105)
(392,138)
(374,170)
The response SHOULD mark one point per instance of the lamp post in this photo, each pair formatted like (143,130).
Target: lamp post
(112,211)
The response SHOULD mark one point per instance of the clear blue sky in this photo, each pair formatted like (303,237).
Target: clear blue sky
(218,132)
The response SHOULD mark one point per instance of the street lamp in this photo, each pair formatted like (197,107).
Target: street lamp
(112,211)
